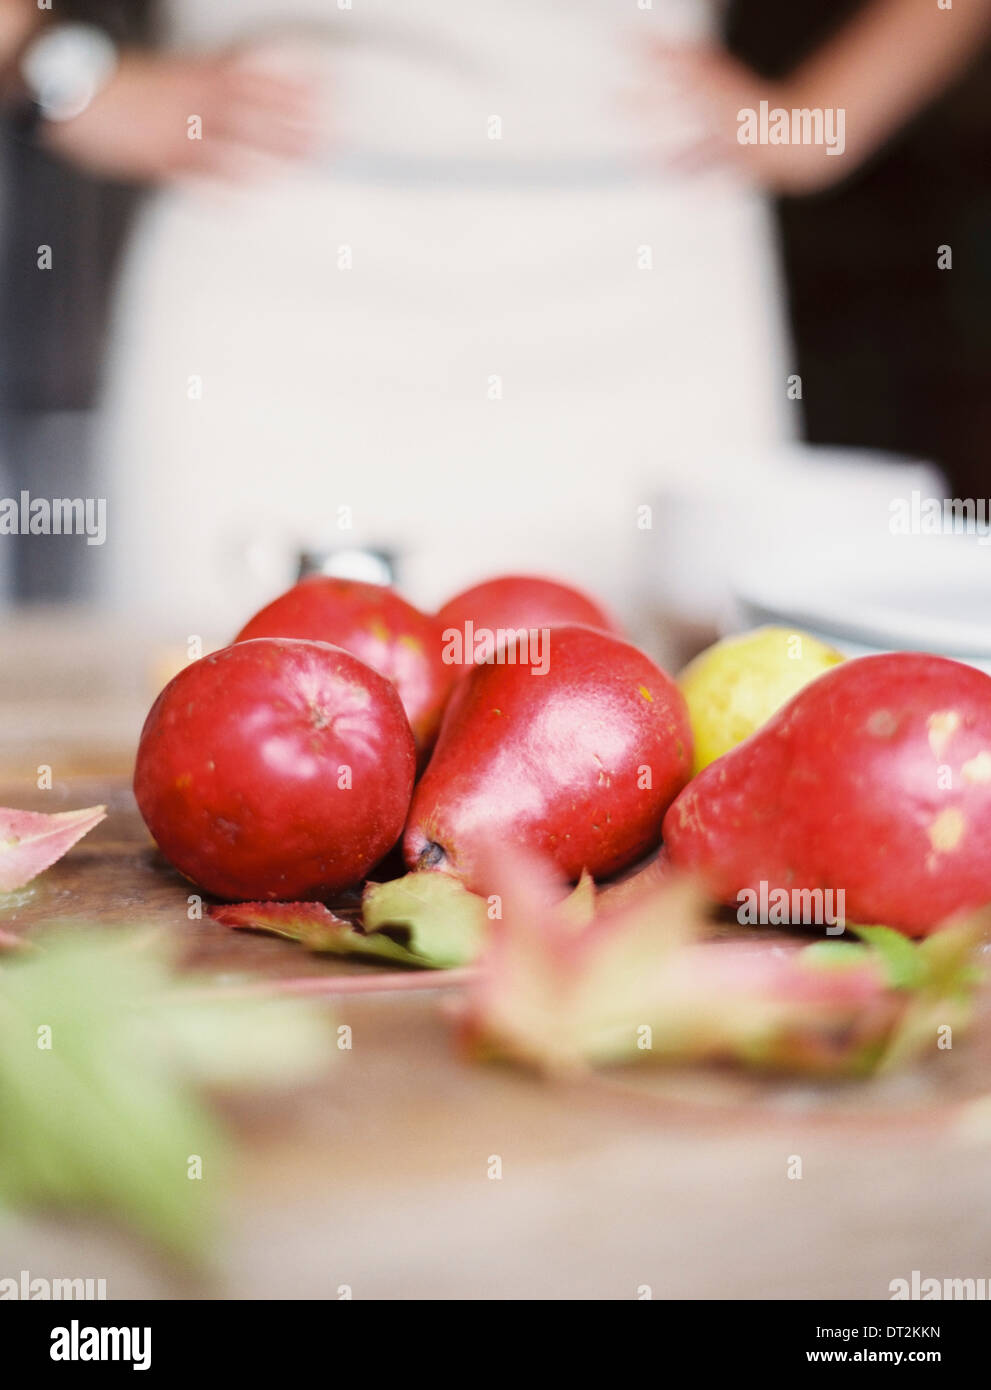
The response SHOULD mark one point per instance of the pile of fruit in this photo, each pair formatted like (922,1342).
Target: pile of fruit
(286,766)
(515,742)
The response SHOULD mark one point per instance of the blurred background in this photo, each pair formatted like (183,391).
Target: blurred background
(489,286)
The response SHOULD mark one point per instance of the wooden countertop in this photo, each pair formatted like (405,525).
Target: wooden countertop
(376,1177)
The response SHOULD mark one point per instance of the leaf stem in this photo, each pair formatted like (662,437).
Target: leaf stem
(391,982)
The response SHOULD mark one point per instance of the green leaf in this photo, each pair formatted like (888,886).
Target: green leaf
(944,998)
(835,954)
(100,1064)
(432,916)
(950,954)
(240,1043)
(904,964)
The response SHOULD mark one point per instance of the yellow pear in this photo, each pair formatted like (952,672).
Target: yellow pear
(736,685)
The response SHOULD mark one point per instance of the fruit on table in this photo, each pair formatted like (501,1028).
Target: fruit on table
(276,769)
(734,686)
(874,780)
(374,623)
(578,763)
(515,601)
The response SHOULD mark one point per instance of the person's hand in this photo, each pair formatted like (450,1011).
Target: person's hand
(139,127)
(851,77)
(712,89)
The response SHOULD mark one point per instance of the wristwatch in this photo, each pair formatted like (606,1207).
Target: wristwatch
(61,71)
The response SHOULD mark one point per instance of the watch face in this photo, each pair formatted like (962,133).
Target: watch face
(66,67)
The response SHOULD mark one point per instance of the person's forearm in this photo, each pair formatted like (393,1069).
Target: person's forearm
(17,19)
(888,62)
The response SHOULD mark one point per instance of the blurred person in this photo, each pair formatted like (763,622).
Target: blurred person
(485,311)
(473,325)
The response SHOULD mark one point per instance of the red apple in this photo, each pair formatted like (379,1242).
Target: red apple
(276,770)
(374,623)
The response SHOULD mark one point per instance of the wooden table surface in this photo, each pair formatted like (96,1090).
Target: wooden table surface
(376,1177)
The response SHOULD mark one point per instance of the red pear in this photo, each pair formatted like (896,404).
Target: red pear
(513,602)
(570,744)
(374,623)
(873,782)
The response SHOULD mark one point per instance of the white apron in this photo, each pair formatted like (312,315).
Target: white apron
(485,352)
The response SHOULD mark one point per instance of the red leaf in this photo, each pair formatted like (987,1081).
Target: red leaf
(641,981)
(31,841)
(305,922)
(425,920)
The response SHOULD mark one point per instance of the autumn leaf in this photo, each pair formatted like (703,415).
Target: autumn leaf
(31,841)
(436,919)
(901,957)
(641,982)
(940,999)
(311,924)
(428,920)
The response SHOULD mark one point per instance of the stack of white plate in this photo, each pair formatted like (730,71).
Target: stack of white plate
(840,542)
(859,561)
